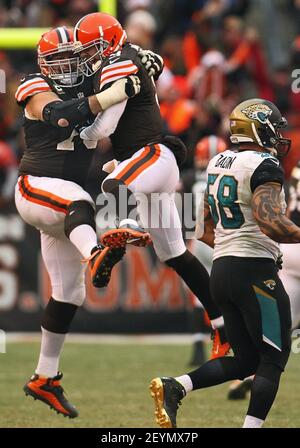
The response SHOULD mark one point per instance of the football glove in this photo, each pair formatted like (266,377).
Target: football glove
(153,63)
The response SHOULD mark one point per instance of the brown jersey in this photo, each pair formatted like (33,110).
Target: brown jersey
(50,151)
(141,122)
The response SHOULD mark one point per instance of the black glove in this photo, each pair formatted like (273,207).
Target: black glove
(153,63)
(133,86)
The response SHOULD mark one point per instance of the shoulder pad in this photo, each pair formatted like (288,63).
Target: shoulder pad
(116,68)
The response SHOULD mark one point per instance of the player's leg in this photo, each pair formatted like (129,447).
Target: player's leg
(160,218)
(168,392)
(56,206)
(134,175)
(80,228)
(63,263)
(266,313)
(199,321)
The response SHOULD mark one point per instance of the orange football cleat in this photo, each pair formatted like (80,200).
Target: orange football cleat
(49,391)
(221,346)
(119,237)
(101,263)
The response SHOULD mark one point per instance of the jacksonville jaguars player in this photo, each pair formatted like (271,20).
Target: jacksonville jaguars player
(244,220)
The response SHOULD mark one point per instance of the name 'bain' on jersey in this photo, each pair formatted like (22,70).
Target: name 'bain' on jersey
(232,179)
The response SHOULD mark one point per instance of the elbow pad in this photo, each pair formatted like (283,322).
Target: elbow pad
(75,111)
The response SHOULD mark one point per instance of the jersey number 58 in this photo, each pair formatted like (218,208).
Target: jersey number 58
(223,203)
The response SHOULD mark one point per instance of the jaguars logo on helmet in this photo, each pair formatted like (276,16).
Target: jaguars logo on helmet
(258,112)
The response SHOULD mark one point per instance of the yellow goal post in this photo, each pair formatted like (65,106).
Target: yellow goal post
(26,38)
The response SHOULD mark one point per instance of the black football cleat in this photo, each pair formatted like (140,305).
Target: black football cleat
(49,391)
(101,262)
(167,394)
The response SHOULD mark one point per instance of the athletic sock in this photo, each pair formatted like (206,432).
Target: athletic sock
(130,222)
(84,238)
(51,347)
(217,323)
(186,382)
(252,422)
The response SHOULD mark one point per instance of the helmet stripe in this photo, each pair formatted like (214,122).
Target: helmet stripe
(63,35)
(67,34)
(256,134)
(59,35)
(76,28)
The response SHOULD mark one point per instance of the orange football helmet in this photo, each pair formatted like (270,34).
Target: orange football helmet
(56,57)
(207,148)
(100,32)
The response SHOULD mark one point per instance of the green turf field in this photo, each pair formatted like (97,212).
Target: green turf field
(109,386)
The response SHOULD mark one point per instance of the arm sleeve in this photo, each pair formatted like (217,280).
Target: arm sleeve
(268,171)
(29,86)
(105,123)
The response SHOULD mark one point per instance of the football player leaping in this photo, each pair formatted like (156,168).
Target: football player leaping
(245,204)
(50,194)
(148,161)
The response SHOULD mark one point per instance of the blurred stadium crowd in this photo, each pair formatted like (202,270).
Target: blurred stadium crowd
(216,52)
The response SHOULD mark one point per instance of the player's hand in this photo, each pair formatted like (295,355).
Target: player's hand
(153,63)
(132,86)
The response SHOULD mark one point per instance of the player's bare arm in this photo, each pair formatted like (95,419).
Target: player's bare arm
(37,103)
(208,234)
(267,211)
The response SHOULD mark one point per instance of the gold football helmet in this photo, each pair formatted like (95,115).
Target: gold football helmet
(258,121)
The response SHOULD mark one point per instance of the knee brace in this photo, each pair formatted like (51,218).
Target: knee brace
(57,316)
(79,212)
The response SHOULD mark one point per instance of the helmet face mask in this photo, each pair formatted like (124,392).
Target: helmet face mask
(258,122)
(61,68)
(89,60)
(56,59)
(97,36)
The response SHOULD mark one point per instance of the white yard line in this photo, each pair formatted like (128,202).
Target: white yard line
(108,338)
